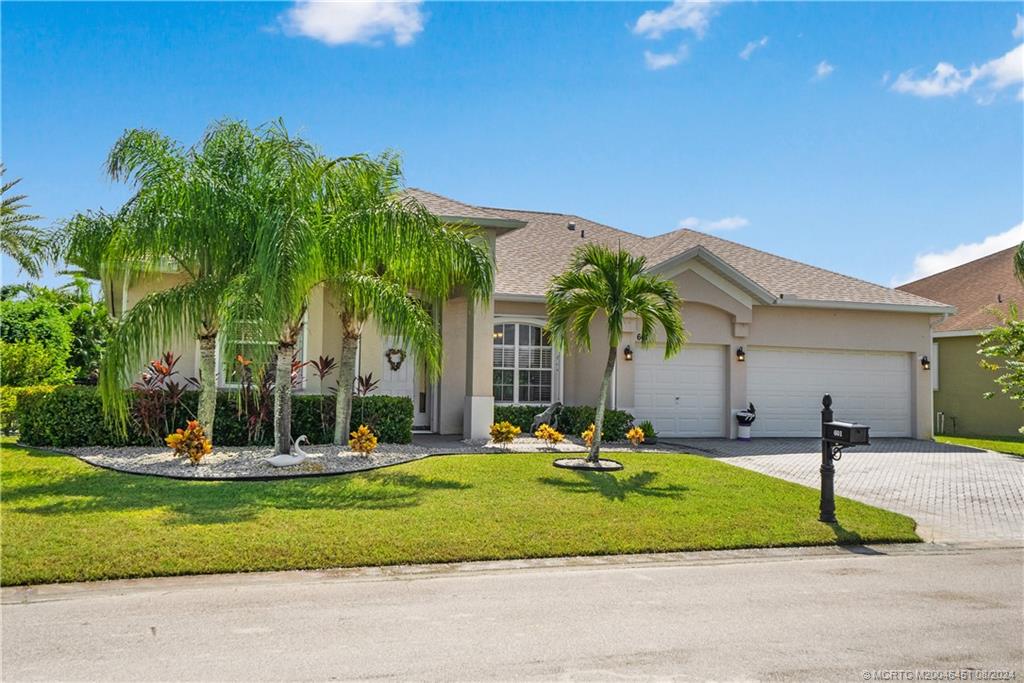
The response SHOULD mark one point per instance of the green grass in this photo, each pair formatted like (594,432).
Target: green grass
(64,520)
(1013,445)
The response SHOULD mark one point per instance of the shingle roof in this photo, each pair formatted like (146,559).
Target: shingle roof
(975,288)
(527,259)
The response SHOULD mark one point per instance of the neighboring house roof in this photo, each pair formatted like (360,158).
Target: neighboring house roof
(527,259)
(978,289)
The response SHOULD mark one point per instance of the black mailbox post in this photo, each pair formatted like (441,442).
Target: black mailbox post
(835,436)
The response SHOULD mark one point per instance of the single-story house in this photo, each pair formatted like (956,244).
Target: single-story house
(762,329)
(980,290)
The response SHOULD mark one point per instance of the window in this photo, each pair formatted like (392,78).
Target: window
(523,364)
(229,370)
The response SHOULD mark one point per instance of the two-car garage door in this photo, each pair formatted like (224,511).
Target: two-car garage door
(786,386)
(687,395)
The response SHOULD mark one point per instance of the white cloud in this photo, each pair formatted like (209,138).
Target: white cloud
(337,23)
(945,80)
(823,70)
(752,47)
(938,261)
(1018,30)
(721,225)
(663,60)
(681,15)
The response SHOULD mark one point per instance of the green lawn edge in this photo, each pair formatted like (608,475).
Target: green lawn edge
(64,520)
(1010,445)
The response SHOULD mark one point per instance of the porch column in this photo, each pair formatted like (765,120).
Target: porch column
(478,410)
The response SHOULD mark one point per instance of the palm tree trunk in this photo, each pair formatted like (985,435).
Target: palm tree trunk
(283,398)
(207,382)
(346,376)
(595,446)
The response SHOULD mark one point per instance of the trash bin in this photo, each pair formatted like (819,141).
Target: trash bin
(745,418)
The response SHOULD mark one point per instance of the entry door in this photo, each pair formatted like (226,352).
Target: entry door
(404,382)
(684,395)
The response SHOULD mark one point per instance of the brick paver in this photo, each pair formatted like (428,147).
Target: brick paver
(955,493)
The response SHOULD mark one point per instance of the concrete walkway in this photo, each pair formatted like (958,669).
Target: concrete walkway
(797,614)
(955,493)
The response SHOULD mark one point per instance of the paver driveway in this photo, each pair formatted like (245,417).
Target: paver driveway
(955,493)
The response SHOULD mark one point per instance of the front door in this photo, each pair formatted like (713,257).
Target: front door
(405,380)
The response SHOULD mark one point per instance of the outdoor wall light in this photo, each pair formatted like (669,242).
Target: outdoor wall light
(741,355)
(627,353)
(925,363)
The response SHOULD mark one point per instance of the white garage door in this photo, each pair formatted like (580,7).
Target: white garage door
(684,395)
(786,386)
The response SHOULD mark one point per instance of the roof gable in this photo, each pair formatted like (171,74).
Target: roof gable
(529,257)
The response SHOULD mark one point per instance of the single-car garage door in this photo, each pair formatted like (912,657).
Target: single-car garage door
(684,395)
(786,386)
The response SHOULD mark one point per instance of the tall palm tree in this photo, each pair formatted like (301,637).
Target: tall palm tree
(194,210)
(380,245)
(614,283)
(19,239)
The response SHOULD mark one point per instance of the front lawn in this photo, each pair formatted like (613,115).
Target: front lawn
(64,520)
(1013,445)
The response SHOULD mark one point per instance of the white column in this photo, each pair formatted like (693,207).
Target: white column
(478,410)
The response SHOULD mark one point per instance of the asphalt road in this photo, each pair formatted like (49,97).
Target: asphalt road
(797,614)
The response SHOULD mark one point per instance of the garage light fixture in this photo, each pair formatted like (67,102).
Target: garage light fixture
(925,363)
(627,353)
(741,355)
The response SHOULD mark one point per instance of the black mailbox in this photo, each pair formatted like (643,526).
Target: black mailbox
(845,433)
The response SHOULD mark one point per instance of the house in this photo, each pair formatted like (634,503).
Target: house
(762,329)
(980,290)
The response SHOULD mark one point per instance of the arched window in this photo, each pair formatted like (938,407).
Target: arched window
(524,364)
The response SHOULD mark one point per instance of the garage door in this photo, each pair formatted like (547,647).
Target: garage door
(786,386)
(684,395)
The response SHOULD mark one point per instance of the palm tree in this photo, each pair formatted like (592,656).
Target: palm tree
(379,245)
(613,283)
(19,239)
(194,211)
(1018,263)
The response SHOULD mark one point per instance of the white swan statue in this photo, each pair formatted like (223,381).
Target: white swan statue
(296,457)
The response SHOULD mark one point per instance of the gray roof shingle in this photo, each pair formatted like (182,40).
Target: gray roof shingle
(527,258)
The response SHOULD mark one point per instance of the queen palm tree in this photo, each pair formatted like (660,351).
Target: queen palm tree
(380,245)
(195,211)
(19,239)
(613,283)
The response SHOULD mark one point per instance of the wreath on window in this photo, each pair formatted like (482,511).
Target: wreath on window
(395,358)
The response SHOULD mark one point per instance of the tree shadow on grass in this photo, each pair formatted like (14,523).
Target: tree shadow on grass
(615,487)
(218,502)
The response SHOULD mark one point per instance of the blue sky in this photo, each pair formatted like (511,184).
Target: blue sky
(879,140)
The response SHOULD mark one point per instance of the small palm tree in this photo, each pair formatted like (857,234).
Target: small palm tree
(378,246)
(19,239)
(612,283)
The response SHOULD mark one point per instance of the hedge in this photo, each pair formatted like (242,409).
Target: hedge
(71,416)
(9,402)
(573,419)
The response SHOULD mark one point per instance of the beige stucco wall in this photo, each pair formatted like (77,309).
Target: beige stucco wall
(714,312)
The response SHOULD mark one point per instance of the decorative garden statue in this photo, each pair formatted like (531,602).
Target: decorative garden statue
(548,417)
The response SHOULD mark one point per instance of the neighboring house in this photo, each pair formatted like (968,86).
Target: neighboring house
(979,290)
(803,332)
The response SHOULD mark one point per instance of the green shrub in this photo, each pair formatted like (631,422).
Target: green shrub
(38,320)
(572,420)
(71,416)
(9,404)
(575,419)
(30,363)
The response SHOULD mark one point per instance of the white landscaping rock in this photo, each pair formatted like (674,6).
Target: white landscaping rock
(249,462)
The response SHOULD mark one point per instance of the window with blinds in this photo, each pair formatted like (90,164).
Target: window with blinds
(523,364)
